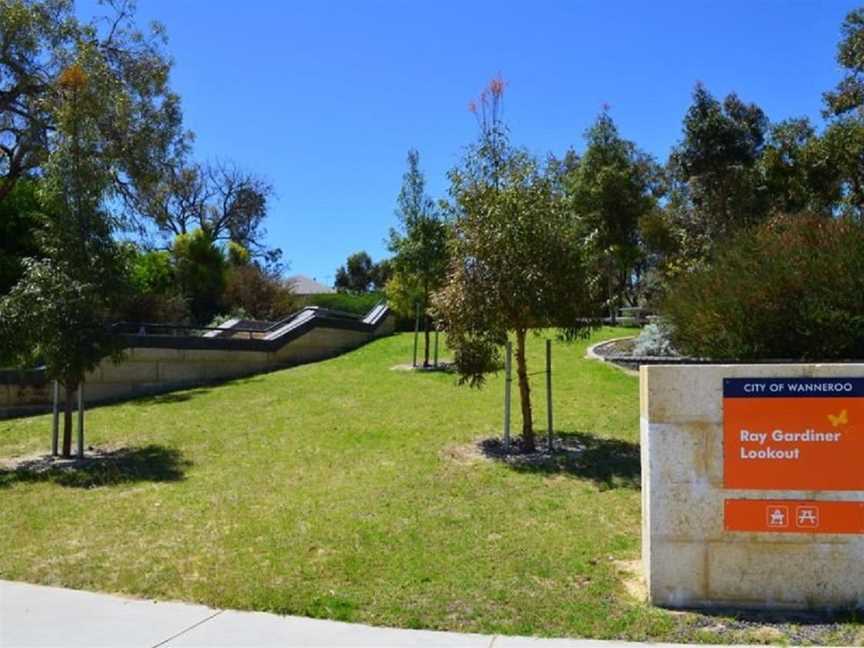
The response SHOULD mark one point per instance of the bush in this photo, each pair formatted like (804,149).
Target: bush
(199,269)
(654,340)
(792,288)
(259,294)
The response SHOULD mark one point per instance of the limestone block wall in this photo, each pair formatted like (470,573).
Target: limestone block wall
(159,369)
(690,560)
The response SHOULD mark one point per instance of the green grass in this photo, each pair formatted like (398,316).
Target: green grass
(346,490)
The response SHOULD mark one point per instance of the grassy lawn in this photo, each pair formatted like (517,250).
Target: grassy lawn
(347,490)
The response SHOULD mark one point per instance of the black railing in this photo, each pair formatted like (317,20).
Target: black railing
(191,330)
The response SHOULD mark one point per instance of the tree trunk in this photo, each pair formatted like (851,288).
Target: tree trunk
(524,392)
(426,340)
(426,324)
(67,420)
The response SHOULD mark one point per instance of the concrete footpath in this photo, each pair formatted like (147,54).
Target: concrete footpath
(33,615)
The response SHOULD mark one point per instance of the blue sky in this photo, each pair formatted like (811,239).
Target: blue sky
(325,98)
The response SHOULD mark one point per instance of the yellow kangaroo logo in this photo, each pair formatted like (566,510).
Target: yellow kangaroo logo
(839,419)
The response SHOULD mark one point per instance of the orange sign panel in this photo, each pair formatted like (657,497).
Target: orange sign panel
(794,516)
(793,434)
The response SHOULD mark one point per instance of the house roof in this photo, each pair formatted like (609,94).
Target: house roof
(303,285)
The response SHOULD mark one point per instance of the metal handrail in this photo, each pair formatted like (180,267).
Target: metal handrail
(234,329)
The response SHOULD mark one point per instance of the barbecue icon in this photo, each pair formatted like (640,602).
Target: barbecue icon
(778,516)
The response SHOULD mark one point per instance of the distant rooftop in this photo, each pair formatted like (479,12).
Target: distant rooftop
(303,285)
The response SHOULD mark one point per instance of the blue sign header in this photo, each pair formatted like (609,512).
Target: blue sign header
(792,387)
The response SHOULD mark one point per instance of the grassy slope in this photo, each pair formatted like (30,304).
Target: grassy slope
(339,490)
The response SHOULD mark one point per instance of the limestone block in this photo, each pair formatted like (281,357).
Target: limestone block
(714,454)
(182,372)
(788,575)
(686,512)
(682,393)
(677,573)
(217,355)
(142,353)
(129,371)
(678,451)
(219,370)
(98,392)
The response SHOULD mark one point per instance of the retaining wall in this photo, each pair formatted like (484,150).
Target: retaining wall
(158,364)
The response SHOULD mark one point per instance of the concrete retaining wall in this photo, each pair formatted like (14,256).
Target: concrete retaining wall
(690,560)
(155,369)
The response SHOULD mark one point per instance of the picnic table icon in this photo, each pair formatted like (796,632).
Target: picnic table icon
(807,517)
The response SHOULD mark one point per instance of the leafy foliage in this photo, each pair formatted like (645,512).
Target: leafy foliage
(848,96)
(200,268)
(610,190)
(52,318)
(259,294)
(360,274)
(20,219)
(517,255)
(792,288)
(420,249)
(139,114)
(654,340)
(358,304)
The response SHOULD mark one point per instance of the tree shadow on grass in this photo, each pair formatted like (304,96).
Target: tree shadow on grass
(101,468)
(609,463)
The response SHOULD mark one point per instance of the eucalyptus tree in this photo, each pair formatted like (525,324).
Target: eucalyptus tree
(517,262)
(611,188)
(42,38)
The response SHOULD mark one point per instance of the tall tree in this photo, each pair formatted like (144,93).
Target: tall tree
(800,170)
(38,40)
(715,166)
(517,259)
(356,275)
(611,188)
(842,143)
(420,248)
(222,199)
(848,96)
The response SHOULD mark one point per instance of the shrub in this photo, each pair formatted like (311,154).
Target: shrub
(654,340)
(357,303)
(792,288)
(199,268)
(261,295)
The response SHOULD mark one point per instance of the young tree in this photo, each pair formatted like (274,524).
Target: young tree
(420,248)
(612,187)
(517,259)
(58,310)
